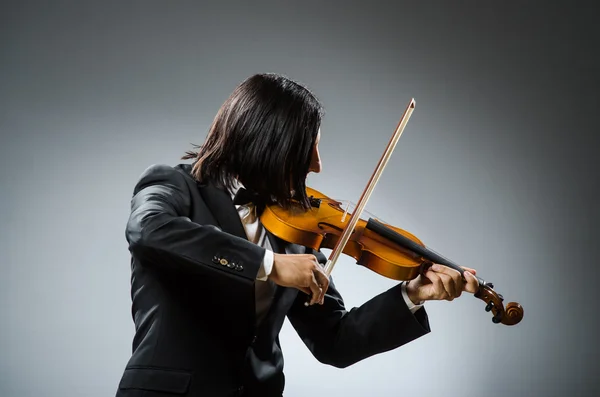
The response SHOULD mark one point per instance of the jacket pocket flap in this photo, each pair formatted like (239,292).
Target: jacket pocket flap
(156,379)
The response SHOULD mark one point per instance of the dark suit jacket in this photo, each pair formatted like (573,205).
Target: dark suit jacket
(192,290)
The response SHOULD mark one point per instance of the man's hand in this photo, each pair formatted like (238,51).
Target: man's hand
(301,271)
(441,283)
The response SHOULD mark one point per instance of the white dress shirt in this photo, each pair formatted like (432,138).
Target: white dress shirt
(264,287)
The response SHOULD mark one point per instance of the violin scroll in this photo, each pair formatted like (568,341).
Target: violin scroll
(510,316)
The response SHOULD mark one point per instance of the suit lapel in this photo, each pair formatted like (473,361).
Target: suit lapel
(221,206)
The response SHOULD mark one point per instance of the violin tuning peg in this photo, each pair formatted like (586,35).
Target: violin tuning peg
(489,306)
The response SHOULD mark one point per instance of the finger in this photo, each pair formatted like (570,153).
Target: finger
(315,289)
(472,283)
(449,286)
(322,278)
(469,269)
(323,282)
(444,269)
(459,282)
(457,279)
(437,286)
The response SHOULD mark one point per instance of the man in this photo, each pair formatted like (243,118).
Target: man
(211,287)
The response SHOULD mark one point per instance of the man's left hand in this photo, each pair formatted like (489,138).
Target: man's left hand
(441,283)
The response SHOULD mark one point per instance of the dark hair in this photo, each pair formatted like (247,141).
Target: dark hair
(263,135)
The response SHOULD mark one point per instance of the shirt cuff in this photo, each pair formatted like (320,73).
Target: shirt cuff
(411,306)
(266,266)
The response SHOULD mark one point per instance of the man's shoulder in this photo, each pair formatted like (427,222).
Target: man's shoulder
(167,171)
(164,174)
(185,170)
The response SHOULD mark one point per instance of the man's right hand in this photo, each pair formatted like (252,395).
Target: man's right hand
(301,271)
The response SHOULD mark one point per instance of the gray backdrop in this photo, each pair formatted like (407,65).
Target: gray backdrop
(496,170)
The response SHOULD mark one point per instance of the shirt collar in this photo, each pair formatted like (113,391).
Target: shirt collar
(236,185)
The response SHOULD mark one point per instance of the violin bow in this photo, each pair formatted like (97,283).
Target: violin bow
(514,311)
(366,194)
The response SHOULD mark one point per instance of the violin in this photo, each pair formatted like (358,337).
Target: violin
(385,249)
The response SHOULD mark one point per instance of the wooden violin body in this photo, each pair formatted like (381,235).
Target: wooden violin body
(322,225)
(387,250)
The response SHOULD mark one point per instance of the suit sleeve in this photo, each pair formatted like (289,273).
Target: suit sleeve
(341,337)
(160,232)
